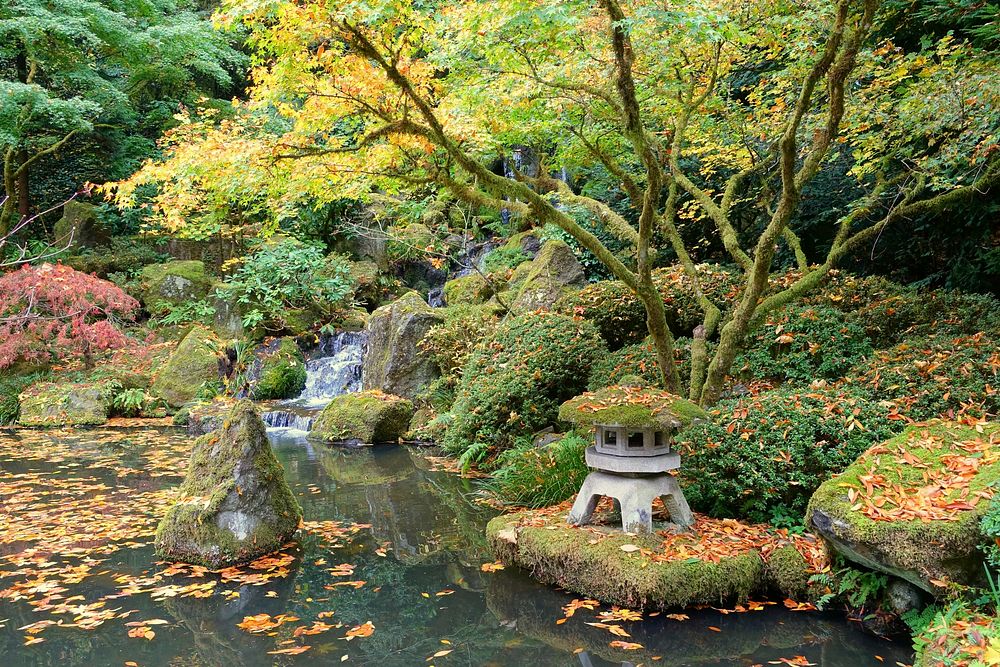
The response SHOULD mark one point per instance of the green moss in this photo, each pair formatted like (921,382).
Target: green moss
(63,404)
(193,364)
(232,473)
(914,549)
(570,558)
(363,417)
(174,283)
(552,275)
(471,289)
(631,406)
(788,572)
(282,373)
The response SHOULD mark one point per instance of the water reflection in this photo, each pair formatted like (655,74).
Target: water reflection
(414,573)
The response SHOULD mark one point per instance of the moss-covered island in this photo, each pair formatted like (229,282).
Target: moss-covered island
(234,504)
(912,505)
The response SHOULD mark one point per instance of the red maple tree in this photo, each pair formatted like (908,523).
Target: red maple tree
(51,311)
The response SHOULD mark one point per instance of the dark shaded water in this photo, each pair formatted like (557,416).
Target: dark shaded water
(420,560)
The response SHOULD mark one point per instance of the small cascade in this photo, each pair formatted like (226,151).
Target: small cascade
(334,369)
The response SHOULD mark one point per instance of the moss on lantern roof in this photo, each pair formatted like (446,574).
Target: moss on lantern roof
(639,407)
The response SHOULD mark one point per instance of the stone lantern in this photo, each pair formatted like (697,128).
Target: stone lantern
(632,454)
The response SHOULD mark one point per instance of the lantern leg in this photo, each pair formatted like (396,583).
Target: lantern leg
(676,503)
(585,503)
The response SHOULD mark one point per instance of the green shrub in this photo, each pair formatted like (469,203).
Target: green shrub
(513,383)
(761,457)
(802,343)
(125,256)
(10,387)
(450,343)
(639,359)
(284,277)
(532,476)
(936,376)
(990,527)
(504,258)
(282,372)
(187,312)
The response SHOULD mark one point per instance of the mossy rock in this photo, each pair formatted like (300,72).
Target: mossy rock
(281,371)
(204,416)
(79,227)
(638,407)
(63,404)
(297,321)
(192,365)
(930,536)
(567,556)
(550,276)
(174,283)
(363,418)
(234,503)
(393,363)
(472,289)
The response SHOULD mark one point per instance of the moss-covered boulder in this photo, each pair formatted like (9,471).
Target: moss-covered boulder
(472,289)
(192,365)
(393,363)
(719,561)
(234,503)
(634,406)
(63,404)
(174,283)
(279,371)
(79,227)
(204,416)
(550,276)
(363,418)
(911,506)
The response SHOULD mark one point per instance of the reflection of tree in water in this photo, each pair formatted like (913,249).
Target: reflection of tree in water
(766,635)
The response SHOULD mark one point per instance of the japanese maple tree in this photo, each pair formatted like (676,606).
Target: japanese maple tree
(52,312)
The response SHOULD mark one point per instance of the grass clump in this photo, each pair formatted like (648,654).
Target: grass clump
(530,476)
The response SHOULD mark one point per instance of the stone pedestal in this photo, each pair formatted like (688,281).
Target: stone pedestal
(635,496)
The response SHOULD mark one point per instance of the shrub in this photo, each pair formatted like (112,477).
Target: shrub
(639,359)
(513,384)
(761,457)
(802,343)
(126,256)
(532,476)
(450,343)
(53,312)
(10,387)
(286,276)
(504,258)
(936,376)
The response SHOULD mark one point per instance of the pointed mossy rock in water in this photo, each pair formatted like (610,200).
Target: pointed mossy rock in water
(234,503)
(63,404)
(928,534)
(363,418)
(194,363)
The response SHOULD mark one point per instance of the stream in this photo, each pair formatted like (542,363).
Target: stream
(390,540)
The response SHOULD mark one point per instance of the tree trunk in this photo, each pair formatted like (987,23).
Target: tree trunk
(23,199)
(656,322)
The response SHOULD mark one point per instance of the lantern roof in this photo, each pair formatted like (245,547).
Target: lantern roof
(631,406)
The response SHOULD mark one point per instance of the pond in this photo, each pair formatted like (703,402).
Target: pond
(388,571)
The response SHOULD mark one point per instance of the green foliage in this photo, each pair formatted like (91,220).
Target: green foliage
(287,275)
(450,343)
(504,258)
(532,476)
(990,527)
(282,372)
(126,256)
(761,456)
(935,375)
(185,312)
(639,359)
(802,343)
(514,383)
(10,386)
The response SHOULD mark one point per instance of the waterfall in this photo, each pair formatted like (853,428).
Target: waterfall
(334,369)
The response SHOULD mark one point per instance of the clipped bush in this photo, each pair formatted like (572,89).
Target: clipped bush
(761,457)
(514,383)
(530,476)
(639,359)
(936,376)
(802,343)
(450,343)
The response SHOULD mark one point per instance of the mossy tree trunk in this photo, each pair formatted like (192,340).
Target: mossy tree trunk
(777,179)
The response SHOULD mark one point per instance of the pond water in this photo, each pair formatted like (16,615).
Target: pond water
(388,571)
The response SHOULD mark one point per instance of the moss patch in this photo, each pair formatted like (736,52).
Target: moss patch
(364,417)
(638,407)
(540,283)
(721,561)
(471,289)
(63,404)
(174,283)
(234,503)
(193,364)
(911,506)
(282,372)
